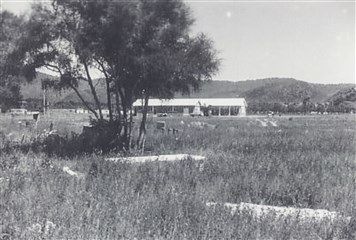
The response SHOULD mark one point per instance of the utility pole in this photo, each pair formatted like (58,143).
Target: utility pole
(44,101)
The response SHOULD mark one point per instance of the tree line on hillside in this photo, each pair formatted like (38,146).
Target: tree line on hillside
(341,102)
(142,49)
(299,108)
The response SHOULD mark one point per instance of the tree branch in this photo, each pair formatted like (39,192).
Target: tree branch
(75,90)
(84,102)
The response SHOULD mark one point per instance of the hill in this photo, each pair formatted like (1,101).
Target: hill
(291,90)
(65,98)
(344,99)
(269,90)
(276,90)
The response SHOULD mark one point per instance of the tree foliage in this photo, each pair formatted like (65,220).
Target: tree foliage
(10,31)
(142,48)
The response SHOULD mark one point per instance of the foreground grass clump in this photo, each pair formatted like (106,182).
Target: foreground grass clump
(307,162)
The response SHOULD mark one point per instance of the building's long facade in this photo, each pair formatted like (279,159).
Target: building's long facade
(186,106)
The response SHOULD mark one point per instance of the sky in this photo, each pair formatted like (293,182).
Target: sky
(313,41)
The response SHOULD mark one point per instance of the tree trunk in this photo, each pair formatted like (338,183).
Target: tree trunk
(120,123)
(118,104)
(142,134)
(109,99)
(125,137)
(130,127)
(108,94)
(93,91)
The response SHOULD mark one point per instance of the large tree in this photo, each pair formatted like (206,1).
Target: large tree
(52,41)
(142,48)
(153,53)
(10,31)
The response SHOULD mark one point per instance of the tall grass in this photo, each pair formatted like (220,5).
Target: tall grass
(307,162)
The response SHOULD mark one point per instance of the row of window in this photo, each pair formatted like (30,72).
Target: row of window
(224,111)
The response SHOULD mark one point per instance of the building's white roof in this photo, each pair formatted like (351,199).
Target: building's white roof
(193,102)
(18,110)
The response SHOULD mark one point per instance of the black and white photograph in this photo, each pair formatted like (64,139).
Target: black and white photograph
(177,119)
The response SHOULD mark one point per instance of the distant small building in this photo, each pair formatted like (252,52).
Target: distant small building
(32,112)
(189,106)
(79,110)
(18,111)
(105,111)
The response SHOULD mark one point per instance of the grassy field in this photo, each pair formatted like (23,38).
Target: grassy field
(300,161)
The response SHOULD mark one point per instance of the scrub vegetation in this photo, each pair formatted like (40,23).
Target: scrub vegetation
(300,161)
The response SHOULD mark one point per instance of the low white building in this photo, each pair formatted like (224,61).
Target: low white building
(79,110)
(186,106)
(103,111)
(18,111)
